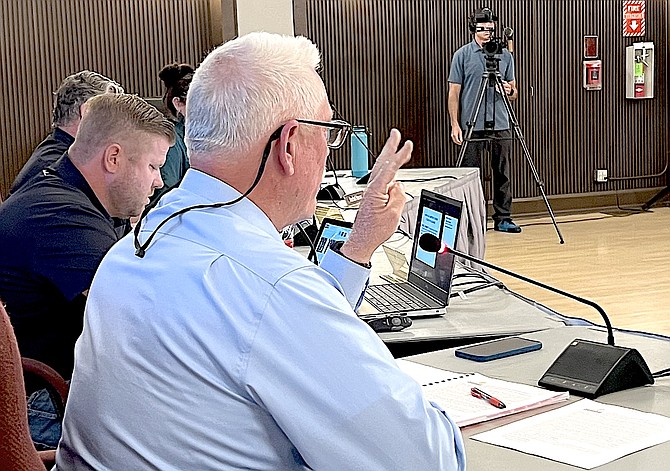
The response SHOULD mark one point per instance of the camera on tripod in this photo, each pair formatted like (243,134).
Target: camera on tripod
(494,46)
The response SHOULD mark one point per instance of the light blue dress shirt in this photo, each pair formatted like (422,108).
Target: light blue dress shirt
(224,349)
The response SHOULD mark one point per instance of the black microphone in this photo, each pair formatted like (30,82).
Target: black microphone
(575,370)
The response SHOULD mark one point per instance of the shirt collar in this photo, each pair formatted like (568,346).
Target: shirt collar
(197,186)
(66,170)
(63,136)
(475,47)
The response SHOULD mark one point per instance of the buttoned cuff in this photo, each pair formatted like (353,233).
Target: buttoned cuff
(353,277)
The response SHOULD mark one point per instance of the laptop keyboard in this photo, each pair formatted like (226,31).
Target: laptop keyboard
(391,297)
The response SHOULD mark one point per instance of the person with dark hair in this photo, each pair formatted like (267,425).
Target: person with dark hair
(69,103)
(176,78)
(492,127)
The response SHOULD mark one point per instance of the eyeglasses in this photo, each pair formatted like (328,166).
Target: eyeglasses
(337,130)
(482,29)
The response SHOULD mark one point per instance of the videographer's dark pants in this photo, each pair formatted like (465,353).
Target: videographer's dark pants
(501,145)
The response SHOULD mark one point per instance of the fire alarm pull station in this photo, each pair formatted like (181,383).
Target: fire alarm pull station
(592,75)
(640,70)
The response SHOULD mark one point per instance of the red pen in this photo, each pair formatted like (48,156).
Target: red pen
(479,394)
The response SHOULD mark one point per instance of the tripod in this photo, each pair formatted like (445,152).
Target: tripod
(660,195)
(492,78)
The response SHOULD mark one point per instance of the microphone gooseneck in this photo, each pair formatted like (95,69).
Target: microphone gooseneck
(430,243)
(575,370)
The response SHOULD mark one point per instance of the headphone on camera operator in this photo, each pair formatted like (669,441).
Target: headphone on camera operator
(482,15)
(495,45)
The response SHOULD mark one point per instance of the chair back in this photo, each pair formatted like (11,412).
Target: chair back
(17,451)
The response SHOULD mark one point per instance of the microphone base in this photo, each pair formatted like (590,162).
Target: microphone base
(591,369)
(330,193)
(389,323)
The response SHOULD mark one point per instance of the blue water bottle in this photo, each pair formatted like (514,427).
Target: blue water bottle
(359,151)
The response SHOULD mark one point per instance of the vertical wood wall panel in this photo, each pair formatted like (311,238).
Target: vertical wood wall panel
(43,41)
(386,63)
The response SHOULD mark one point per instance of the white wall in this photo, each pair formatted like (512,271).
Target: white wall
(273,16)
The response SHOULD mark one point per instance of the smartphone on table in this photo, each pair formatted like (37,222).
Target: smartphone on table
(499,348)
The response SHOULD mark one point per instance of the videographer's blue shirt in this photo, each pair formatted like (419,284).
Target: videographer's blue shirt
(467,69)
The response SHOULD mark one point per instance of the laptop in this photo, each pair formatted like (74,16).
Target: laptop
(428,286)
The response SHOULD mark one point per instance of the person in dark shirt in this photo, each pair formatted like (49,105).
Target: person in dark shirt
(69,100)
(56,228)
(176,78)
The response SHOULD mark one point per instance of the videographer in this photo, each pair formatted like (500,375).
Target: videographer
(469,64)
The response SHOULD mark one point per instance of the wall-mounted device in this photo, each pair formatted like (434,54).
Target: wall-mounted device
(640,70)
(593,75)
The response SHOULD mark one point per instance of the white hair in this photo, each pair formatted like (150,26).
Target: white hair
(249,86)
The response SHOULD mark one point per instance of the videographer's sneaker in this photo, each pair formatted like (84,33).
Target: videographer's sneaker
(507,225)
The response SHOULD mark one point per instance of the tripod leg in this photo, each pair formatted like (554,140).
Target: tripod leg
(473,119)
(657,197)
(517,130)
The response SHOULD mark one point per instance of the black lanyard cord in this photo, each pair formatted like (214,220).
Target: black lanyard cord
(141,249)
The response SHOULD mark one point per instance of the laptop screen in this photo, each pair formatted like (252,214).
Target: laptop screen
(438,215)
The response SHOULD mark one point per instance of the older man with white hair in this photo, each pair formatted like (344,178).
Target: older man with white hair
(208,344)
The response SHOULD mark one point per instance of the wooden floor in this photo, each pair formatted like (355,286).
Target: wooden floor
(619,259)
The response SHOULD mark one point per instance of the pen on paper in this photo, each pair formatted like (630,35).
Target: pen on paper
(479,394)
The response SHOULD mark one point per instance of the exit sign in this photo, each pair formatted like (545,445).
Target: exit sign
(634,17)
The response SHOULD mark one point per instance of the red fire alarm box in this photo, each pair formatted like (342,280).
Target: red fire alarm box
(593,75)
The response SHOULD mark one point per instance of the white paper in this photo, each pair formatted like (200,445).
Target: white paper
(585,434)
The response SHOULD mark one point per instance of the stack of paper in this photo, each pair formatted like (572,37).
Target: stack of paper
(452,391)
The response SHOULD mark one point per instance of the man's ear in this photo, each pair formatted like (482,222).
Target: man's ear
(286,146)
(111,159)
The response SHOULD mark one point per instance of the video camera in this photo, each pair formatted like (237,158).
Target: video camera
(496,44)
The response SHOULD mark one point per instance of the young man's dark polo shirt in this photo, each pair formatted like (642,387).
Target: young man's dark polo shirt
(45,154)
(53,234)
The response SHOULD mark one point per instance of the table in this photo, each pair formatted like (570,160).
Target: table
(483,315)
(529,368)
(486,314)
